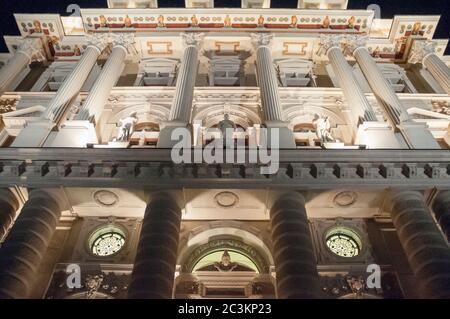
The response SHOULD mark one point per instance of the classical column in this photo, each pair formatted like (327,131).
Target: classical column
(75,80)
(154,267)
(416,134)
(81,131)
(425,52)
(180,111)
(295,261)
(367,130)
(268,87)
(8,209)
(35,134)
(27,242)
(29,50)
(427,250)
(441,209)
(110,74)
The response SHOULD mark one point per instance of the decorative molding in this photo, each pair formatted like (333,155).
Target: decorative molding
(420,50)
(153,168)
(153,47)
(294,48)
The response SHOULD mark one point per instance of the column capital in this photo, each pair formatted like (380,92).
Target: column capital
(354,42)
(261,39)
(125,40)
(328,41)
(32,48)
(192,39)
(98,41)
(420,50)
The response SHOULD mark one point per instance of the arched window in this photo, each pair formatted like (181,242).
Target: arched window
(224,261)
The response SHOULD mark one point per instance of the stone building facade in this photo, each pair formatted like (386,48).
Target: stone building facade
(89,188)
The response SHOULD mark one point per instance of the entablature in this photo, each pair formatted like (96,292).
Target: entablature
(153,168)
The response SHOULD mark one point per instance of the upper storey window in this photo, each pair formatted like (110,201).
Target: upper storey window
(295,72)
(199,3)
(322,4)
(157,72)
(133,3)
(256,4)
(226,71)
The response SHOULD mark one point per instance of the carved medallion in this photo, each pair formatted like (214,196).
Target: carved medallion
(226,199)
(345,198)
(106,198)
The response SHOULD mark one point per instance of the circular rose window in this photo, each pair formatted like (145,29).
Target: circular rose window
(344,242)
(106,241)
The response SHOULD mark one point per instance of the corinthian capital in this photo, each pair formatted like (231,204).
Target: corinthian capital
(99,40)
(420,50)
(328,41)
(125,40)
(353,42)
(261,39)
(32,48)
(192,38)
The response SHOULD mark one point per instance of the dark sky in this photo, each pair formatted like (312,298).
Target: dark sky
(389,8)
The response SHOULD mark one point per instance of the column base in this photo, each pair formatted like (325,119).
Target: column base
(165,135)
(34,134)
(74,134)
(377,135)
(284,138)
(418,136)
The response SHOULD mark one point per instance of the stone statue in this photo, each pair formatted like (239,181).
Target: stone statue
(227,127)
(127,127)
(323,127)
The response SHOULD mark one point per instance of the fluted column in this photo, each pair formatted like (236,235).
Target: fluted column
(36,133)
(27,242)
(295,262)
(425,52)
(29,50)
(156,257)
(278,134)
(180,112)
(380,86)
(75,80)
(267,78)
(98,96)
(415,134)
(441,209)
(8,209)
(187,74)
(427,250)
(362,111)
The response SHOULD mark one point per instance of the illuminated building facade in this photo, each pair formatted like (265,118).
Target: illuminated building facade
(88,105)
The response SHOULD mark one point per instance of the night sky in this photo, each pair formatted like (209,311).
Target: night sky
(389,8)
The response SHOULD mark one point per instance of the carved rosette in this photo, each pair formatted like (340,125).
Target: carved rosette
(192,39)
(420,50)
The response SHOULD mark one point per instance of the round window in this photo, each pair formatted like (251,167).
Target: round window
(106,241)
(344,242)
